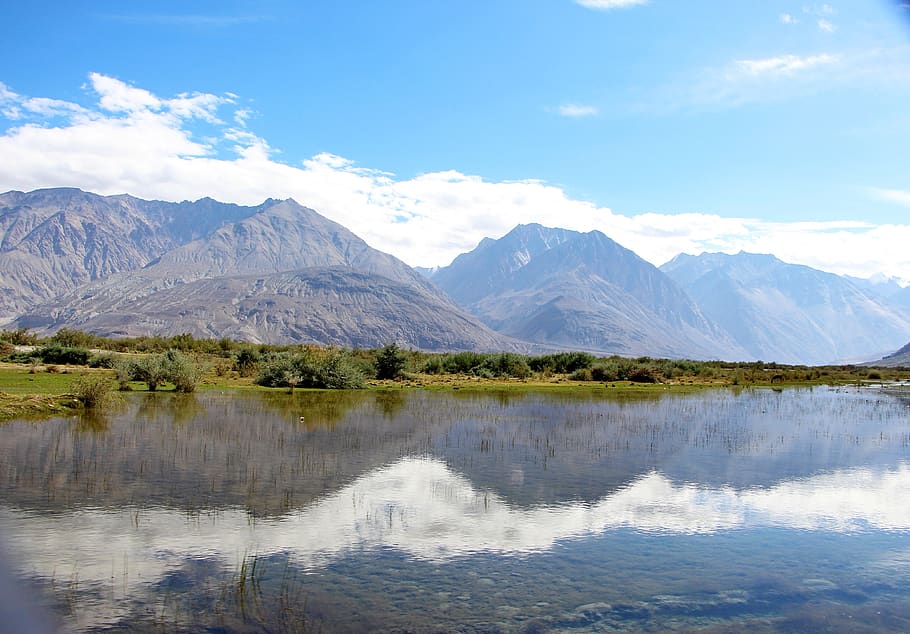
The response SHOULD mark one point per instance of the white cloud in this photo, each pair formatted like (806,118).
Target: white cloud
(826,26)
(745,81)
(899,196)
(117,96)
(787,18)
(151,151)
(577,110)
(781,65)
(610,4)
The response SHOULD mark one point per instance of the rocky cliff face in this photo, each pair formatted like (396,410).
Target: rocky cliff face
(790,313)
(55,240)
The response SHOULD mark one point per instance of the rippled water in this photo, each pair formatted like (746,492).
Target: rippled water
(446,511)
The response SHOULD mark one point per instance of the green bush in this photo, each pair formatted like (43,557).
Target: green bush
(434,365)
(181,371)
(104,360)
(613,369)
(150,370)
(643,374)
(334,370)
(246,361)
(582,374)
(503,364)
(68,338)
(462,362)
(390,362)
(64,355)
(561,362)
(94,391)
(19,337)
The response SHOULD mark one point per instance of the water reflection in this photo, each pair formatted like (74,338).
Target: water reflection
(177,493)
(424,510)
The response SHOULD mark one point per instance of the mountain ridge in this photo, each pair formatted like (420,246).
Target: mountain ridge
(216,275)
(790,313)
(579,290)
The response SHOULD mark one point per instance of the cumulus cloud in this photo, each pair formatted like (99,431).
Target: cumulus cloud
(610,4)
(132,141)
(787,18)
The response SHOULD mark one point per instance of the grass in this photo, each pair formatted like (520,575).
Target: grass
(27,394)
(42,389)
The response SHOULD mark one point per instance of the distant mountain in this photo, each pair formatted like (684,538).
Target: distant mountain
(581,291)
(790,313)
(879,285)
(901,358)
(279,272)
(54,240)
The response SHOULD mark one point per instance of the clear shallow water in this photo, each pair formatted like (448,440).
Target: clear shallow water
(426,511)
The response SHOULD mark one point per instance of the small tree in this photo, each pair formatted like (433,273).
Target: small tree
(390,362)
(246,362)
(181,371)
(150,369)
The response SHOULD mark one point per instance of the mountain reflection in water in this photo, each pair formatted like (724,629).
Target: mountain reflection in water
(441,478)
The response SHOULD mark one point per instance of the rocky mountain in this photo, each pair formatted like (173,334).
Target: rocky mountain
(901,359)
(54,240)
(580,291)
(790,313)
(334,305)
(279,272)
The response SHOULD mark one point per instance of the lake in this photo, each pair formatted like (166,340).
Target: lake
(570,511)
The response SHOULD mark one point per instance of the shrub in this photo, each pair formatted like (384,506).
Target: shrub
(61,354)
(643,374)
(69,338)
(19,337)
(105,360)
(390,362)
(94,391)
(561,362)
(246,361)
(582,374)
(124,370)
(434,365)
(504,364)
(462,362)
(307,369)
(613,369)
(180,370)
(150,370)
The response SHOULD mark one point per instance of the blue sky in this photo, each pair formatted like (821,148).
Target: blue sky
(670,125)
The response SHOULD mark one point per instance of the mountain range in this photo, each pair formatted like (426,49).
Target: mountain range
(280,272)
(580,290)
(791,313)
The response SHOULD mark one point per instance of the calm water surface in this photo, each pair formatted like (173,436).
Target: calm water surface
(447,511)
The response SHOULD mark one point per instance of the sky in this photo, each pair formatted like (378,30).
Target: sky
(769,126)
